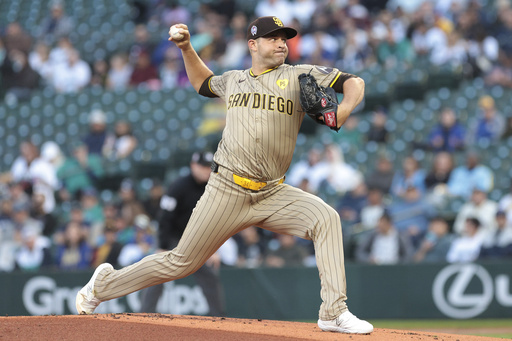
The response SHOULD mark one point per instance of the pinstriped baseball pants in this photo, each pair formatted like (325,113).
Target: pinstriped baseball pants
(224,210)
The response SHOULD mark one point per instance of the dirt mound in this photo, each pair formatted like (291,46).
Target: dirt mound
(123,327)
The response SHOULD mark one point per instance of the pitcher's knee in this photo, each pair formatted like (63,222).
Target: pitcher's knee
(327,221)
(180,265)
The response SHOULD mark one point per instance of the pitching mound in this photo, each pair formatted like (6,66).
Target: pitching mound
(122,327)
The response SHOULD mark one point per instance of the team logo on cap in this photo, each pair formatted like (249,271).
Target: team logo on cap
(278,22)
(254,30)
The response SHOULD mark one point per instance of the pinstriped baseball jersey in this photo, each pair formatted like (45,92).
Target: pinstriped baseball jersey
(263,118)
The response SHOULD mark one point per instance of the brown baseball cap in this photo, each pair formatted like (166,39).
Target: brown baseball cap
(266,25)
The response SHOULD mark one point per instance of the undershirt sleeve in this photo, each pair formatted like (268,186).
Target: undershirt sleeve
(206,89)
(337,83)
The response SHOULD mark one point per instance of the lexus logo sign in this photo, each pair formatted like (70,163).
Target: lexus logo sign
(452,298)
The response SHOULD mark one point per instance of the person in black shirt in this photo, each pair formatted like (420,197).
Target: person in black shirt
(176,207)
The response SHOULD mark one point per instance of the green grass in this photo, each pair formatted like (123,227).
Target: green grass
(461,325)
(476,323)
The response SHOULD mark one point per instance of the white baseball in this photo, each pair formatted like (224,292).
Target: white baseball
(175,34)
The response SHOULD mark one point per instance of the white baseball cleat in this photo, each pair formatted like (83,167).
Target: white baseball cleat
(86,302)
(346,323)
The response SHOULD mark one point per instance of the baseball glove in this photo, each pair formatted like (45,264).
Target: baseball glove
(318,101)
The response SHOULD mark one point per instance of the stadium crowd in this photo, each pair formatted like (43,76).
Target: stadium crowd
(52,214)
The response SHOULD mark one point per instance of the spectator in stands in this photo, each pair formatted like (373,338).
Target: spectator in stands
(99,73)
(411,214)
(35,174)
(48,220)
(174,13)
(378,131)
(507,133)
(152,202)
(273,7)
(504,29)
(96,234)
(350,137)
(89,200)
(227,255)
(34,251)
(72,214)
(57,25)
(97,135)
(382,176)
(143,71)
(466,248)
(74,253)
(436,243)
(505,204)
(448,135)
(372,211)
(304,169)
(72,75)
(109,248)
(437,179)
(351,204)
(490,123)
(356,48)
(480,207)
(60,53)
(122,143)
(289,253)
(354,52)
(499,243)
(17,193)
(142,45)
(465,178)
(411,175)
(385,245)
(119,73)
(251,248)
(334,173)
(426,36)
(453,53)
(169,73)
(293,45)
(51,152)
(483,52)
(23,222)
(39,60)
(501,72)
(17,39)
(8,235)
(18,78)
(143,244)
(319,47)
(79,172)
(3,51)
(236,51)
(302,10)
(129,206)
(395,49)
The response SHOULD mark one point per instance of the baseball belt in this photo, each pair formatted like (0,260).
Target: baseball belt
(244,182)
(251,184)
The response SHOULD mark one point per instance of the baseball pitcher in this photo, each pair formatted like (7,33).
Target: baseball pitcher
(265,108)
